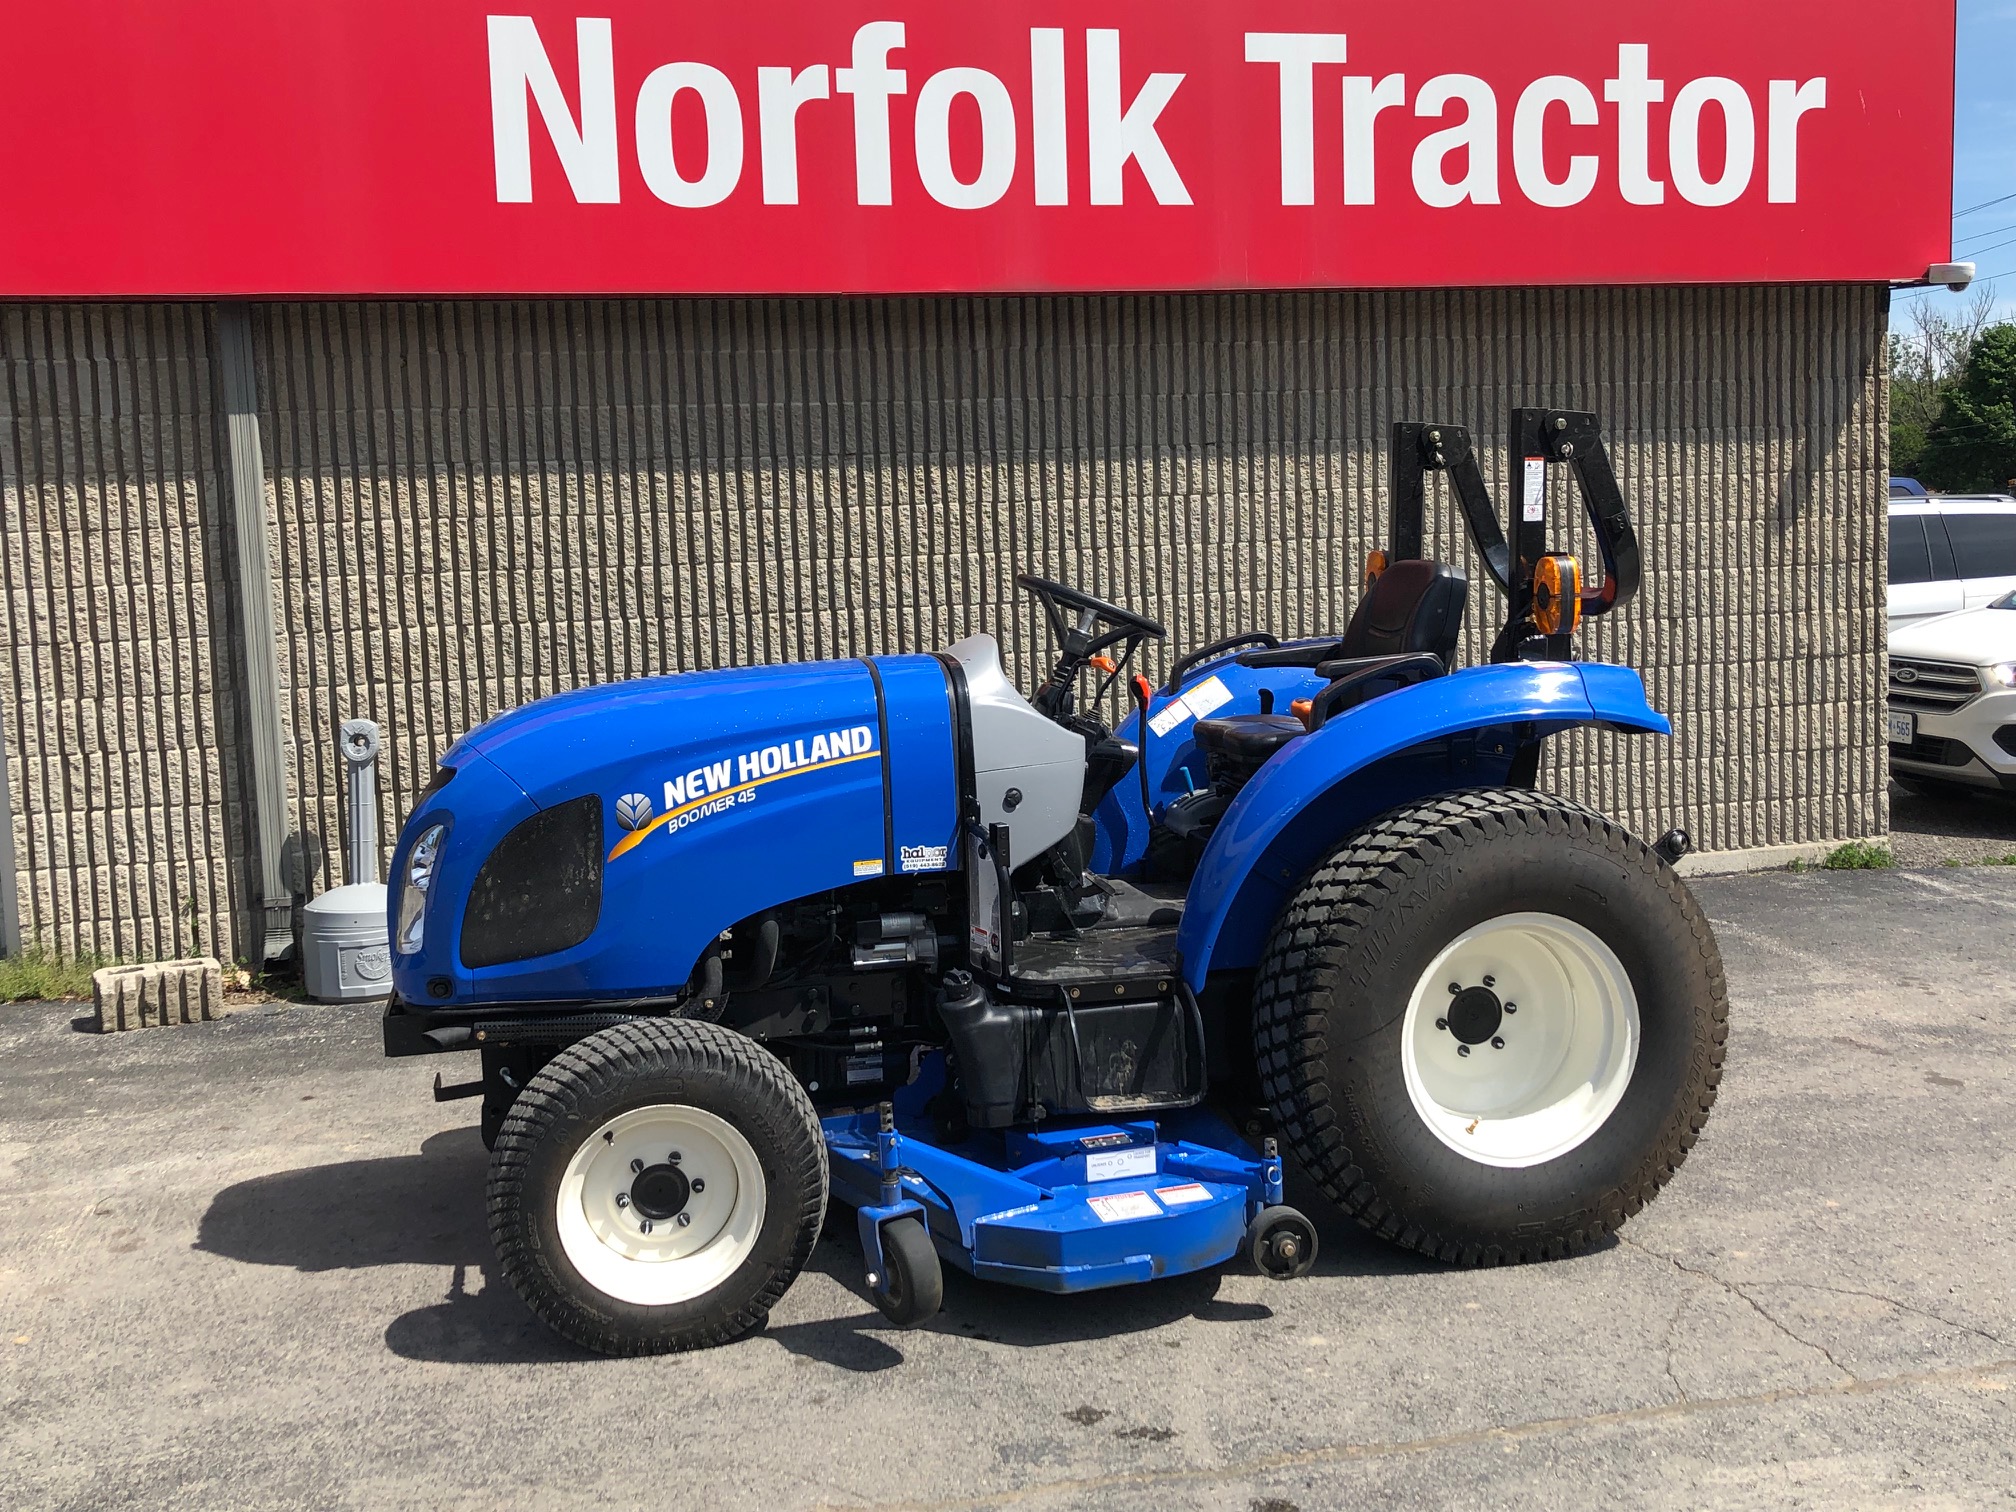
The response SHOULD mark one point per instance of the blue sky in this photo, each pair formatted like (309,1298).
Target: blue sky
(1984,142)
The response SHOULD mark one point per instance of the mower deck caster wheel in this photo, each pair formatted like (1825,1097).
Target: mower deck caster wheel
(1282,1243)
(914,1289)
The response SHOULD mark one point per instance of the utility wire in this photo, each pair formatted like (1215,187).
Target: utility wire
(1977,235)
(1957,214)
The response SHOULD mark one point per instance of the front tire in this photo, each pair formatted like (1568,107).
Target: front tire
(656,1187)
(1492,1026)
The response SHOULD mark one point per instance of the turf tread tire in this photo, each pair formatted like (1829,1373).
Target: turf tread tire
(585,1084)
(1333,918)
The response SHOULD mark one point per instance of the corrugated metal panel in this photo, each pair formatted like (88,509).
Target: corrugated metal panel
(117,737)
(482,503)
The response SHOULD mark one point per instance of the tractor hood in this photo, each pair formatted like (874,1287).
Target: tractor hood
(546,744)
(596,841)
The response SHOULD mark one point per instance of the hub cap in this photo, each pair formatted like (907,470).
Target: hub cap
(1520,1039)
(660,1205)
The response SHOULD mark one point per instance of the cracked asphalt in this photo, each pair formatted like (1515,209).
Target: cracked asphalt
(244,1265)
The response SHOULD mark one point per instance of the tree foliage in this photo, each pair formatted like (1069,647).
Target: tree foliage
(1971,446)
(1926,361)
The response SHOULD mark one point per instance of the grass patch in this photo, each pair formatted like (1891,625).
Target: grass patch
(1859,855)
(39,973)
(2008,860)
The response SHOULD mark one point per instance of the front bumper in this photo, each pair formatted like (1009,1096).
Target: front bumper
(411,1029)
(1974,745)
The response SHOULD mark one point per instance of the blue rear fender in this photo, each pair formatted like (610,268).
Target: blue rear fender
(1320,787)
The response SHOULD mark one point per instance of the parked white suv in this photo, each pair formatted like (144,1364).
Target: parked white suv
(1950,552)
(1952,710)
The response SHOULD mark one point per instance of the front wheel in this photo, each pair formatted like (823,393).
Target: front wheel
(657,1186)
(1492,1025)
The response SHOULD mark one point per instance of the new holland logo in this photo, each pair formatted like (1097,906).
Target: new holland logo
(721,785)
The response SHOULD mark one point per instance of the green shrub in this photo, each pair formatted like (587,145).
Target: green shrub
(1859,855)
(39,973)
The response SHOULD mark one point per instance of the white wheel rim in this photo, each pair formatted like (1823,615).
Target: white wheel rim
(603,1225)
(1551,1070)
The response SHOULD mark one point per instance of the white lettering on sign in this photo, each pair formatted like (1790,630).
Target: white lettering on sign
(1529,141)
(1454,163)
(587,153)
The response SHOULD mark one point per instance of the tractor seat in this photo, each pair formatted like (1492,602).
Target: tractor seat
(1413,607)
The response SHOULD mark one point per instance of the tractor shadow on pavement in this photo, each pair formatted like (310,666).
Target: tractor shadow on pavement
(426,1209)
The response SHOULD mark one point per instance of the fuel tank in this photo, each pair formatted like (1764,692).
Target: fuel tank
(593,843)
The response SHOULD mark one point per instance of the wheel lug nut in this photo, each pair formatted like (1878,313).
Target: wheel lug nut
(1442,1024)
(1511,1007)
(1490,981)
(645,1225)
(699,1183)
(1497,1043)
(636,1166)
(1454,988)
(1462,1049)
(685,1220)
(622,1199)
(674,1157)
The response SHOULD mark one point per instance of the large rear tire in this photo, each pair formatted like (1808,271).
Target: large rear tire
(1492,1026)
(656,1187)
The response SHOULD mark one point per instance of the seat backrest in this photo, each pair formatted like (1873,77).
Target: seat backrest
(1412,606)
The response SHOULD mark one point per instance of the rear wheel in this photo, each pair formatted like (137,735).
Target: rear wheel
(1492,1025)
(656,1187)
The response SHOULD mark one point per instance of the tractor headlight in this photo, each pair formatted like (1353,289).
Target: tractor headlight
(420,866)
(2003,676)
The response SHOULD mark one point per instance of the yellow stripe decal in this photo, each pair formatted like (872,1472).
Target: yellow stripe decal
(636,837)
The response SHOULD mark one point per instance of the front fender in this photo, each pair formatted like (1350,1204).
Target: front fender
(1320,787)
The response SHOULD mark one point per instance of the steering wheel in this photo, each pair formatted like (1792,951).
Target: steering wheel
(1076,619)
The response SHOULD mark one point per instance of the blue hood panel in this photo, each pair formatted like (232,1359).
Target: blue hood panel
(723,794)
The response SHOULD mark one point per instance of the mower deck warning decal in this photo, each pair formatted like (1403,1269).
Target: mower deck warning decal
(1124,1205)
(706,790)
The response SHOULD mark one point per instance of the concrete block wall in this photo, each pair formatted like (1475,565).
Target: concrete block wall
(525,497)
(473,504)
(116,684)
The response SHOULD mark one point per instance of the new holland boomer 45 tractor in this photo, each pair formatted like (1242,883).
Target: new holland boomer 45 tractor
(1037,996)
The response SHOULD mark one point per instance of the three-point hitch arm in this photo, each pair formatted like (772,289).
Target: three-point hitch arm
(1544,595)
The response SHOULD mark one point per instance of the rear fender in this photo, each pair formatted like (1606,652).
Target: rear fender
(1459,731)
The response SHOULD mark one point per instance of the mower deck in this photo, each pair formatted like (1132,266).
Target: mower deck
(1071,1205)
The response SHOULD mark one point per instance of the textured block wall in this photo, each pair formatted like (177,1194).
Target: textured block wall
(116,686)
(474,504)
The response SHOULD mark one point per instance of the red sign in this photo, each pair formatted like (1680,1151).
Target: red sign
(767,146)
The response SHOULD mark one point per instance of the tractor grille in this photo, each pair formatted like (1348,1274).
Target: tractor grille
(1932,687)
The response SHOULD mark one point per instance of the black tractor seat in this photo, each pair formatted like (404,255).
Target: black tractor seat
(1403,631)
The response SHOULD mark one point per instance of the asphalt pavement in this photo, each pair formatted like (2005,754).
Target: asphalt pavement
(244,1264)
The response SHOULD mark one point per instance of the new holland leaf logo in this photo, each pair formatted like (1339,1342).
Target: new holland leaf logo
(633,810)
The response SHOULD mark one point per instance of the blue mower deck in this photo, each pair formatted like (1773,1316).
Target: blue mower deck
(1072,1205)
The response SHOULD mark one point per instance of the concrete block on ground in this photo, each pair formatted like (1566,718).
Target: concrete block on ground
(158,994)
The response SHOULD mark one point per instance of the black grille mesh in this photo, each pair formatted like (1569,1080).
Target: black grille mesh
(541,889)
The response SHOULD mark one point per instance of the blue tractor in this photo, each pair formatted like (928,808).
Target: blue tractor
(1049,998)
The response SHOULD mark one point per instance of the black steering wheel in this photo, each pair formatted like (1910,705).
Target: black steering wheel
(1077,618)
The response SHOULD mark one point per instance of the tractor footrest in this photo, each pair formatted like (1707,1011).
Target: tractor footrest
(1103,964)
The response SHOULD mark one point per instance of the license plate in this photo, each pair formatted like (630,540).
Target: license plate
(1903,728)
